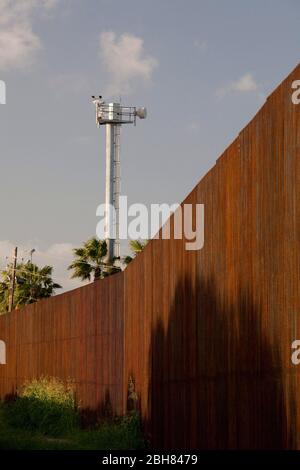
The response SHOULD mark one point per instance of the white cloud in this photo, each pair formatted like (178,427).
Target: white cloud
(126,61)
(58,255)
(246,83)
(18,46)
(18,43)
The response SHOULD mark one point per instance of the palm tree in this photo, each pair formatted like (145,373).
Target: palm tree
(136,247)
(90,260)
(32,284)
(4,296)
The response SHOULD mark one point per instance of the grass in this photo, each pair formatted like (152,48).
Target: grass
(44,416)
(121,434)
(46,405)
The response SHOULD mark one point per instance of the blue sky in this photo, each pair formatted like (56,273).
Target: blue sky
(202,68)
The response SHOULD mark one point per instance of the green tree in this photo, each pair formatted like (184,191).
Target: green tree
(4,294)
(136,247)
(90,261)
(31,284)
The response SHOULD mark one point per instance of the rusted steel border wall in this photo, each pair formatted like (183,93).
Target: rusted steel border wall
(77,335)
(208,333)
(205,334)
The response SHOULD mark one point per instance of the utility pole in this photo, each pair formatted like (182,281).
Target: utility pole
(31,254)
(13,282)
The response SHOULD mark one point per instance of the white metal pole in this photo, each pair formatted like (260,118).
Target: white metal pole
(109,192)
(116,196)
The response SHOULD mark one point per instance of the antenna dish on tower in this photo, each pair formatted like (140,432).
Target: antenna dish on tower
(141,112)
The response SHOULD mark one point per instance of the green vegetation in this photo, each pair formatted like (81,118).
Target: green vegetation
(90,261)
(136,247)
(32,284)
(121,434)
(45,405)
(44,416)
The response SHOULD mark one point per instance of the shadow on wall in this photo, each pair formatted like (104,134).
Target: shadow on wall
(216,381)
(103,412)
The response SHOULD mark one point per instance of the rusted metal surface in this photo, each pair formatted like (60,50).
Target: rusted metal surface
(206,335)
(77,336)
